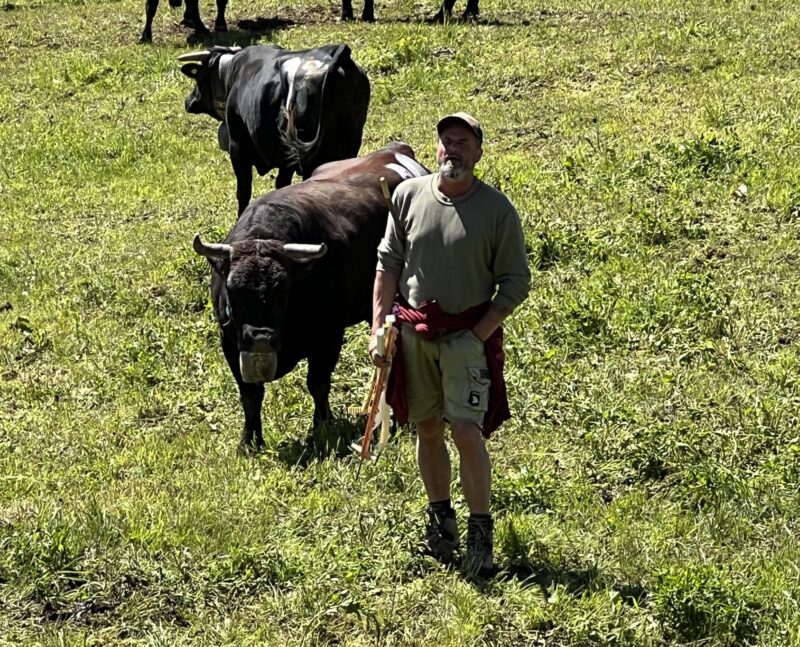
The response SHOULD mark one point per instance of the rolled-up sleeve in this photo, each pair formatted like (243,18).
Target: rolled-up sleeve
(391,250)
(510,267)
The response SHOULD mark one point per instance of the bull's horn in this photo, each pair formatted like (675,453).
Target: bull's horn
(211,250)
(195,56)
(304,253)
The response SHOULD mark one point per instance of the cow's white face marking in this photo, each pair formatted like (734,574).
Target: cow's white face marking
(406,167)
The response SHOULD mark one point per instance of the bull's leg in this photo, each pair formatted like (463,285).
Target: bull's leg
(321,362)
(251,396)
(150,8)
(219,23)
(284,177)
(243,170)
(347,10)
(368,15)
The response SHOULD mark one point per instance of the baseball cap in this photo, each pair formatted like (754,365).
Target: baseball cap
(463,119)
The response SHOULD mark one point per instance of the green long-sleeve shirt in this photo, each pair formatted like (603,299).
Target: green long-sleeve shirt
(460,252)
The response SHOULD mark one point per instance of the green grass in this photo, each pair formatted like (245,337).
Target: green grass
(646,490)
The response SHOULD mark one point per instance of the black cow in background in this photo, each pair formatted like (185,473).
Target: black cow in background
(290,110)
(297,269)
(191,17)
(443,15)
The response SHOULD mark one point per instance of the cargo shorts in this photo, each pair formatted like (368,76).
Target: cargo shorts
(447,377)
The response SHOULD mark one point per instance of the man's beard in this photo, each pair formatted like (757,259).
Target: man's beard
(452,170)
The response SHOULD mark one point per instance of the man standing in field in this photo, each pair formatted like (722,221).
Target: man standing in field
(452,266)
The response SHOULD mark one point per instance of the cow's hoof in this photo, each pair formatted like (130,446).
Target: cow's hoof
(249,449)
(145,39)
(439,18)
(346,17)
(220,26)
(368,17)
(470,16)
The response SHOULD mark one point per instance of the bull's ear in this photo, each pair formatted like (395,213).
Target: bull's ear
(192,70)
(301,253)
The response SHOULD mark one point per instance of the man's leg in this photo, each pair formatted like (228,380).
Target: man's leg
(441,531)
(476,477)
(475,466)
(433,459)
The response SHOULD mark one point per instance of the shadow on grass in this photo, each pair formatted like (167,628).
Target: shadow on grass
(250,32)
(331,438)
(574,581)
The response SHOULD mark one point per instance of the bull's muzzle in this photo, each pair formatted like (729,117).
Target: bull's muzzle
(258,367)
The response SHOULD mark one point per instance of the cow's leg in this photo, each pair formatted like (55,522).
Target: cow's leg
(347,10)
(219,23)
(471,12)
(243,170)
(251,396)
(150,8)
(321,363)
(445,12)
(284,177)
(191,17)
(368,15)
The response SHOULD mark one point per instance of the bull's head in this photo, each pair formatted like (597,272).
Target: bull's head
(258,277)
(208,69)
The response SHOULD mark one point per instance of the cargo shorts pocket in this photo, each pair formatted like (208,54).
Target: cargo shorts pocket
(476,390)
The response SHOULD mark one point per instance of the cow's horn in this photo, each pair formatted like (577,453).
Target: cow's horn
(195,56)
(211,250)
(304,253)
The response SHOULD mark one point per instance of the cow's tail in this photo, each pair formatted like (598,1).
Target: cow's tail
(298,151)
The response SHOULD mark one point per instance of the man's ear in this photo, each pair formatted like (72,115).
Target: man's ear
(192,70)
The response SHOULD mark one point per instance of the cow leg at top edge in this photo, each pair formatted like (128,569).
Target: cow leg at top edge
(444,14)
(471,12)
(150,8)
(219,23)
(368,15)
(347,10)
(321,363)
(251,397)
(284,177)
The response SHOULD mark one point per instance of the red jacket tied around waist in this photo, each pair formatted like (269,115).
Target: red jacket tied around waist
(430,321)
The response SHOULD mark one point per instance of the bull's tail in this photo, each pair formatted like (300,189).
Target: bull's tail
(296,150)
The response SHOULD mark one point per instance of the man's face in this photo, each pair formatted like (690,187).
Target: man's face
(458,151)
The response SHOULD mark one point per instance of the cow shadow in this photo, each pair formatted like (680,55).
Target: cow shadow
(248,31)
(329,439)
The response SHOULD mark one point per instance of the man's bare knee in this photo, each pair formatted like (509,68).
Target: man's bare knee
(466,434)
(430,430)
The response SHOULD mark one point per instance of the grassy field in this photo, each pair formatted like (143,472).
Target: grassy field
(646,490)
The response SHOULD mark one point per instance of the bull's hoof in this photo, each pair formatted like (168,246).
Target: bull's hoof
(145,38)
(346,16)
(220,26)
(470,15)
(368,17)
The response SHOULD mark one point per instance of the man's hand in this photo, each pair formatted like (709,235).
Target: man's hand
(377,359)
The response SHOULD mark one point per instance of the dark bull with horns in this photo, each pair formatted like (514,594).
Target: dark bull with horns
(296,270)
(290,110)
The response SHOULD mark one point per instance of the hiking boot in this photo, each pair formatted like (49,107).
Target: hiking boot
(441,534)
(479,560)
